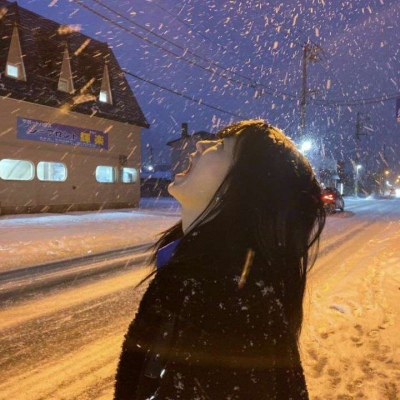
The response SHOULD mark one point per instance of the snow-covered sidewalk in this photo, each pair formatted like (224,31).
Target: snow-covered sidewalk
(34,239)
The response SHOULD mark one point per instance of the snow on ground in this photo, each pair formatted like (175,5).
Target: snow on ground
(33,239)
(350,345)
(350,340)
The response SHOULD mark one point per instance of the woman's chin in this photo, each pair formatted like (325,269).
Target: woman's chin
(173,190)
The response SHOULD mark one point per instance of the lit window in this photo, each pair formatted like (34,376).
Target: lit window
(63,85)
(129,175)
(15,61)
(16,170)
(12,71)
(105,174)
(103,97)
(51,171)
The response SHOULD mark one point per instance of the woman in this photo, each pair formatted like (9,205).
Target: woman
(221,319)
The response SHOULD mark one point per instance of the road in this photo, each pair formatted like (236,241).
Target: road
(63,342)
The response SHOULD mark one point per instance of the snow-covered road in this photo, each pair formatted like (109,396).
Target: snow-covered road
(64,343)
(351,341)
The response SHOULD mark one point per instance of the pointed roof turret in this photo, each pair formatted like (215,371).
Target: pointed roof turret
(66,82)
(105,90)
(15,63)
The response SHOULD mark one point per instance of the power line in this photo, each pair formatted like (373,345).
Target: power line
(332,103)
(252,85)
(180,57)
(358,102)
(184,49)
(191,98)
(190,27)
(320,102)
(198,101)
(226,49)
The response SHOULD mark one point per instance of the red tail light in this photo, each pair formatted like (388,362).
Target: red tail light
(328,197)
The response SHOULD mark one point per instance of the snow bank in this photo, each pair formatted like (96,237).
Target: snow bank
(40,238)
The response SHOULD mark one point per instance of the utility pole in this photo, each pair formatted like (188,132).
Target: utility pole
(151,155)
(150,161)
(359,128)
(384,169)
(359,133)
(310,54)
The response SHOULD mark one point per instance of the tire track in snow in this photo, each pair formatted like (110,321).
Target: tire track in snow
(68,347)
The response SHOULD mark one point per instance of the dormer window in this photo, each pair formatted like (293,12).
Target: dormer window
(15,63)
(63,85)
(65,82)
(12,71)
(103,97)
(105,91)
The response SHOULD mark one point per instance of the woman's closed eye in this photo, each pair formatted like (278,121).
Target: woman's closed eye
(219,144)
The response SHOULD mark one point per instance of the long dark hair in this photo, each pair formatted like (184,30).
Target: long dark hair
(269,204)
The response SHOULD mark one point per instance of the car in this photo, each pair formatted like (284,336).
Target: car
(332,199)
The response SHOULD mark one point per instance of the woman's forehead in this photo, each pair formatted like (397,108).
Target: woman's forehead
(229,139)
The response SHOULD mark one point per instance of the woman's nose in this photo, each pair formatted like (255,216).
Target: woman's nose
(202,145)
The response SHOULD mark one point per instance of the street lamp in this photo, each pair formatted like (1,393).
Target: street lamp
(306,146)
(385,185)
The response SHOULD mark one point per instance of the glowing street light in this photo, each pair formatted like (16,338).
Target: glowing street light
(306,146)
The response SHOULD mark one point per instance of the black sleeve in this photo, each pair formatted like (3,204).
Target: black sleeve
(149,334)
(138,340)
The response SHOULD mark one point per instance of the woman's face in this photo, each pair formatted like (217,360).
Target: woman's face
(195,187)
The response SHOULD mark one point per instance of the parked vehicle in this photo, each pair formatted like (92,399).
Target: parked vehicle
(332,199)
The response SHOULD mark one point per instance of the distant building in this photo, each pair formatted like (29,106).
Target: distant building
(327,172)
(154,180)
(70,124)
(182,147)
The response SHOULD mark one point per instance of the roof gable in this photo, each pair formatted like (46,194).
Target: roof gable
(43,44)
(199,135)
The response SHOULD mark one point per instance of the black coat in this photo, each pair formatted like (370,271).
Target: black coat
(226,342)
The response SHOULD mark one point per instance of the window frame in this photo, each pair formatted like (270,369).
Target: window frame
(66,82)
(106,99)
(122,175)
(51,180)
(115,175)
(33,169)
(17,67)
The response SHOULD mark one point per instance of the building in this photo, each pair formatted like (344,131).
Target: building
(182,147)
(327,168)
(155,179)
(70,124)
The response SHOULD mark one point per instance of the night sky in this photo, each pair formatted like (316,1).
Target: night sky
(242,59)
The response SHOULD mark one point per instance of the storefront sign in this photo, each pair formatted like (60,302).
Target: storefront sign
(40,131)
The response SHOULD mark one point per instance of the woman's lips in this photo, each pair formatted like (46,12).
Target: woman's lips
(186,171)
